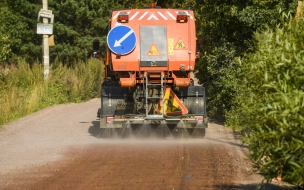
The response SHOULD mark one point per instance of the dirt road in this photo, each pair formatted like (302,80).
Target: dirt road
(59,148)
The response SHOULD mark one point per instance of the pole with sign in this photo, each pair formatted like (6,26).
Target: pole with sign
(46,29)
(46,53)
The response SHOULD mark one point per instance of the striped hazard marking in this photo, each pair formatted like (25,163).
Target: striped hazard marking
(141,15)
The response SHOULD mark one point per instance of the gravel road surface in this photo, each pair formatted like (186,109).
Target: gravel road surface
(59,148)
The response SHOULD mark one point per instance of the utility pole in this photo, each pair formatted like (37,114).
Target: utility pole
(45,45)
(299,10)
(46,29)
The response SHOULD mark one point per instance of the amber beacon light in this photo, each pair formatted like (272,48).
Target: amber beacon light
(152,5)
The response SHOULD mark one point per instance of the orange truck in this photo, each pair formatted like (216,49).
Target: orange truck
(149,60)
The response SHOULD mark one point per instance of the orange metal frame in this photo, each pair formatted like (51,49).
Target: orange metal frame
(181,44)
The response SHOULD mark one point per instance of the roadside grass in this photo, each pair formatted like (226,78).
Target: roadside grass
(23,89)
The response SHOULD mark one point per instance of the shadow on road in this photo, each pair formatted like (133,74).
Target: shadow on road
(95,130)
(254,187)
(227,142)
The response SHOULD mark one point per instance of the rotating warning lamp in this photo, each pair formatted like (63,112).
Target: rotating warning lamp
(182,17)
(123,17)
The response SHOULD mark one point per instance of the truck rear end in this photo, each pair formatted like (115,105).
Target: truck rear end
(149,63)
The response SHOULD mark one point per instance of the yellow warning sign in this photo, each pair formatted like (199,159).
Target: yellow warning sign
(170,46)
(172,104)
(180,44)
(153,51)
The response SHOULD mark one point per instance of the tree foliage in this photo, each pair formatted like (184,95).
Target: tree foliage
(225,31)
(76,24)
(5,49)
(270,104)
(18,25)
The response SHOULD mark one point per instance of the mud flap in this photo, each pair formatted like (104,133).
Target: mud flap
(115,101)
(194,99)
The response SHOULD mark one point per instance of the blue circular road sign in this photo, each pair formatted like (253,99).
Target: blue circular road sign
(121,40)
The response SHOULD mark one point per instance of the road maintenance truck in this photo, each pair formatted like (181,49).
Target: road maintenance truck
(149,62)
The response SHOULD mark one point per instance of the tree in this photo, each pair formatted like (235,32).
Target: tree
(76,24)
(270,104)
(4,40)
(225,31)
(19,21)
(79,22)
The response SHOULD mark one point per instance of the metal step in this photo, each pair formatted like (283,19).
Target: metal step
(158,85)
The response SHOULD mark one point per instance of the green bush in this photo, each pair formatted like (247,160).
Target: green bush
(4,49)
(270,102)
(23,88)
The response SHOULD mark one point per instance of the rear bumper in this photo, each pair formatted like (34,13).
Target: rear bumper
(188,121)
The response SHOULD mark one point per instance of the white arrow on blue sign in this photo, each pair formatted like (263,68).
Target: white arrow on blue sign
(121,40)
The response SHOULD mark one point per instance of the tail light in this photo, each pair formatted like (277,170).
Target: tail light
(123,17)
(199,117)
(182,17)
